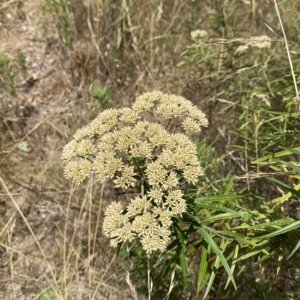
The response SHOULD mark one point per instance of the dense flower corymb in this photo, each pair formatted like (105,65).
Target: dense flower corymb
(138,148)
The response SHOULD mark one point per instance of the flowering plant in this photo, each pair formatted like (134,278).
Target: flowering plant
(152,157)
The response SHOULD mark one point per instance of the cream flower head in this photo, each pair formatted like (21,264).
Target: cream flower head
(138,148)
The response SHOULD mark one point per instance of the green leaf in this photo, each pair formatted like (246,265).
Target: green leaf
(285,197)
(280,261)
(219,217)
(237,237)
(217,207)
(216,198)
(235,255)
(217,250)
(283,185)
(275,223)
(214,268)
(182,254)
(288,228)
(263,160)
(289,164)
(202,272)
(245,256)
(23,146)
(229,186)
(294,150)
(181,63)
(207,57)
(294,250)
(284,114)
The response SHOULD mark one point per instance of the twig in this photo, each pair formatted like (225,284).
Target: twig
(288,53)
(150,284)
(131,286)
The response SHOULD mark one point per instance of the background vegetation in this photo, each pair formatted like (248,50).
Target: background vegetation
(62,62)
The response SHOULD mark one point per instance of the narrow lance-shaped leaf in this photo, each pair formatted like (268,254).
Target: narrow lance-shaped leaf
(275,223)
(295,249)
(285,229)
(283,185)
(214,268)
(222,208)
(264,160)
(182,255)
(216,198)
(202,272)
(235,255)
(217,250)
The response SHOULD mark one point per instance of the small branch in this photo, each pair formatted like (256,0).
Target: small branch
(288,53)
(149,280)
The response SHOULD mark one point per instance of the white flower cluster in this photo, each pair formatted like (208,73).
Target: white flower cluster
(254,42)
(120,145)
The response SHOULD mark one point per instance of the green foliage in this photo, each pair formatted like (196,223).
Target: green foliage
(101,94)
(61,10)
(7,75)
(22,63)
(256,223)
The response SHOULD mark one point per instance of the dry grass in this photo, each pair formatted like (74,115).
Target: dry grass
(51,246)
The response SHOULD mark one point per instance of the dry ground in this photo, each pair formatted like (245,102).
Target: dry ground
(43,224)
